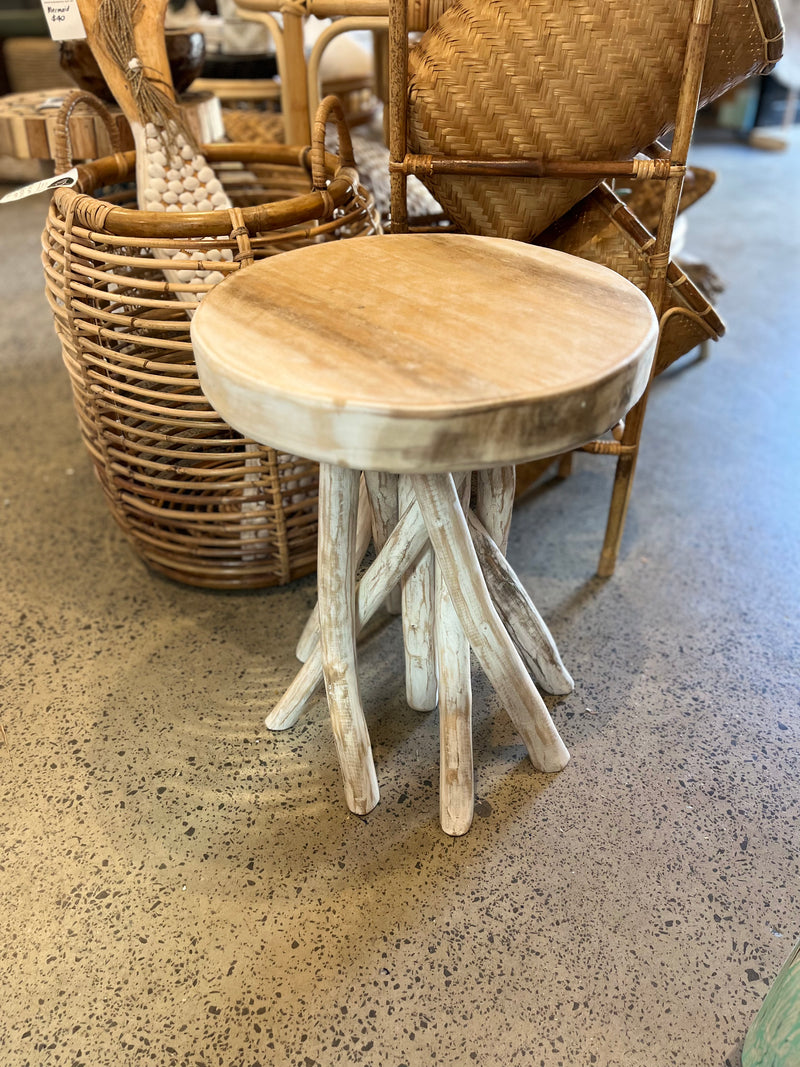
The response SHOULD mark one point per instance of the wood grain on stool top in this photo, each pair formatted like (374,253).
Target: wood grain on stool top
(424,352)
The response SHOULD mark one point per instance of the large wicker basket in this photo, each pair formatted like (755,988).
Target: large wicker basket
(198,502)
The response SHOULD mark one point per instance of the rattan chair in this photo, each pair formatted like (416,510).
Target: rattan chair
(511,111)
(301,80)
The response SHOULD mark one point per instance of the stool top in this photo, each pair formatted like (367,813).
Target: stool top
(424,352)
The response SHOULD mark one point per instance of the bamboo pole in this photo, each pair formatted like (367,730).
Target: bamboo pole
(398,112)
(424,166)
(688,100)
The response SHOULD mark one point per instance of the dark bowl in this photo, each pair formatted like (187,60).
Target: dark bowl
(186,51)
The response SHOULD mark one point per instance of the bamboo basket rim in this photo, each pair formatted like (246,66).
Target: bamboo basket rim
(102,217)
(334,182)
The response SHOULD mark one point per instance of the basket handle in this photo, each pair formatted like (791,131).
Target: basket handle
(330,108)
(62,141)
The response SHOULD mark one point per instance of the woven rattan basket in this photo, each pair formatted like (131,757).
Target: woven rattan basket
(601,229)
(592,80)
(198,502)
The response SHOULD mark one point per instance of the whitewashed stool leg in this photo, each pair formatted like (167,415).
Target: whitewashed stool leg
(310,634)
(338,511)
(494,501)
(400,552)
(382,490)
(486,633)
(456,781)
(526,626)
(418,619)
(309,637)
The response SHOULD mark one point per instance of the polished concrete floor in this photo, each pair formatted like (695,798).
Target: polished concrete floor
(180,887)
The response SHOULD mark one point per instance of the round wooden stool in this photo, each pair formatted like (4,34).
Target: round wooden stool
(427,357)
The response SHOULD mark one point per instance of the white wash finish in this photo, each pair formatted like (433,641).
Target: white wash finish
(400,552)
(383,488)
(418,640)
(338,512)
(496,653)
(357,380)
(526,626)
(292,353)
(494,501)
(454,675)
(310,635)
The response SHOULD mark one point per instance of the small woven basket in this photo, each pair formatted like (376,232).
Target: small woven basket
(602,229)
(198,502)
(560,80)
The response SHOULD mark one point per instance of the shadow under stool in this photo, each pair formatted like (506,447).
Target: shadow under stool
(426,357)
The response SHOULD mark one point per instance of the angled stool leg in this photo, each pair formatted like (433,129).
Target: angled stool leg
(399,553)
(525,625)
(494,502)
(456,780)
(456,777)
(382,492)
(418,619)
(310,635)
(486,633)
(338,507)
(489,527)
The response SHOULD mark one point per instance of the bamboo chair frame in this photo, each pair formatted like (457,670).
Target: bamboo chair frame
(300,80)
(301,87)
(662,164)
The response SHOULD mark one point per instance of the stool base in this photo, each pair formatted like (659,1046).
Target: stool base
(478,602)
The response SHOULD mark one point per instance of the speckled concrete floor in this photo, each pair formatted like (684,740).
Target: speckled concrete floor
(180,887)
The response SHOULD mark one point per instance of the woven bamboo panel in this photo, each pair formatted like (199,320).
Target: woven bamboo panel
(251,125)
(588,79)
(198,502)
(600,228)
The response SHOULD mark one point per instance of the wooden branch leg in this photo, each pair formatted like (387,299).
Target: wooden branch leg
(310,635)
(400,552)
(382,490)
(447,529)
(494,502)
(338,507)
(418,619)
(527,628)
(456,780)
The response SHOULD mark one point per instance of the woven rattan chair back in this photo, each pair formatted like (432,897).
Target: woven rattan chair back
(512,111)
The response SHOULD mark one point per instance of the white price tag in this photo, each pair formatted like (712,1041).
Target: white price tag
(63,19)
(50,103)
(69,177)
